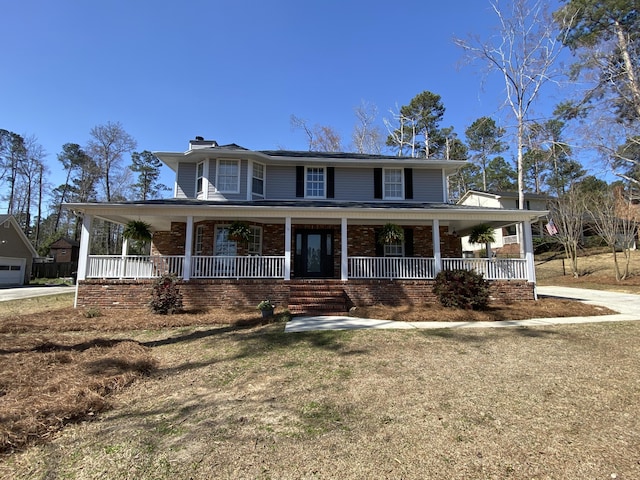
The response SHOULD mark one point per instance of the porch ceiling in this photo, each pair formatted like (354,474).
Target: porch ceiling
(161,213)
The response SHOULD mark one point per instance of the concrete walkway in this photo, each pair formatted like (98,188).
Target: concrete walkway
(627,305)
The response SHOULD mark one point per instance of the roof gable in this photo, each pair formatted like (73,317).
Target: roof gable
(18,231)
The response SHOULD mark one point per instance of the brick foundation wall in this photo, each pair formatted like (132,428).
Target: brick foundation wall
(196,293)
(248,293)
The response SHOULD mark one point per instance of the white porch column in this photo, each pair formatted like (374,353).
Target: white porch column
(435,237)
(85,239)
(123,263)
(188,243)
(287,248)
(344,242)
(527,240)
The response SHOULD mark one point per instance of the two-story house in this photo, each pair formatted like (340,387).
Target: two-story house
(314,221)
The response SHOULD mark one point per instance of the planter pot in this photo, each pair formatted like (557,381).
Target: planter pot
(267,313)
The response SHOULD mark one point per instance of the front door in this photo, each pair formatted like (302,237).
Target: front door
(314,254)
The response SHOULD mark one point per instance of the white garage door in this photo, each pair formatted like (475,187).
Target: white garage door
(12,270)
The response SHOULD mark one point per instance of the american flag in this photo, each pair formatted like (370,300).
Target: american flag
(551,228)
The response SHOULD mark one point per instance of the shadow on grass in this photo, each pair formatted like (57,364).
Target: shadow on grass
(471,335)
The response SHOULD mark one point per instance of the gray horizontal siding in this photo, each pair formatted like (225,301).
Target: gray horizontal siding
(354,184)
(428,186)
(280,183)
(186,180)
(351,183)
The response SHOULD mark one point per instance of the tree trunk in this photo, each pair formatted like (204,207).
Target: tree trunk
(633,81)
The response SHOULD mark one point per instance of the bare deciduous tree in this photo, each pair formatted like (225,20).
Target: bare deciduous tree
(107,147)
(567,213)
(321,138)
(367,137)
(615,219)
(524,51)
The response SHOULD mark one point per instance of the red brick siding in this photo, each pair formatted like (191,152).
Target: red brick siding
(361,243)
(248,293)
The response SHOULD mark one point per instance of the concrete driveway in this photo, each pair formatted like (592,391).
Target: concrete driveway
(30,291)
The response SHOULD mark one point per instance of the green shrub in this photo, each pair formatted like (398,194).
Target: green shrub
(462,289)
(166,299)
(92,312)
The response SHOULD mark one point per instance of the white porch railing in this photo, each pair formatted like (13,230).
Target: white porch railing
(134,266)
(490,268)
(391,267)
(150,266)
(237,267)
(509,239)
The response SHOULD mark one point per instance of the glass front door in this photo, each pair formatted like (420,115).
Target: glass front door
(314,253)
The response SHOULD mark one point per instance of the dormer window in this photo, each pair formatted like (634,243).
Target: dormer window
(228,176)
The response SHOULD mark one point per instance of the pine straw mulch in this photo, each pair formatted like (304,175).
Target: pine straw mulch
(497,311)
(58,366)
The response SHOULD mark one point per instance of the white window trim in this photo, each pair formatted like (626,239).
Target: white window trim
(384,190)
(264,180)
(238,165)
(198,238)
(324,186)
(258,229)
(401,245)
(200,193)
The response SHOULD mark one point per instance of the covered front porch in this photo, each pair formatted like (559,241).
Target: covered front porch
(291,242)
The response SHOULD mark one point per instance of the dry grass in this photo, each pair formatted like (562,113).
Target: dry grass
(596,272)
(220,395)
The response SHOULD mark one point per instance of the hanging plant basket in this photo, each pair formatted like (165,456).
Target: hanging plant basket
(239,232)
(391,233)
(137,230)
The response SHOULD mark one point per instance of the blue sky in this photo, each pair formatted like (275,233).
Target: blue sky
(233,71)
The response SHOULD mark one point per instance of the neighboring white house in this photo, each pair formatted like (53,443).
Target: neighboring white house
(505,236)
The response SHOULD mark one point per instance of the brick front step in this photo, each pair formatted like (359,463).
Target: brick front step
(317,298)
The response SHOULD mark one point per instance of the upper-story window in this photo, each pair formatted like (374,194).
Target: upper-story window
(315,182)
(228,176)
(200,177)
(257,182)
(393,183)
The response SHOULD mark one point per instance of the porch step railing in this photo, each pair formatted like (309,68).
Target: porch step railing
(391,267)
(237,267)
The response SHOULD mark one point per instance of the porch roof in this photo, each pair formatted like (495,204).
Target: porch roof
(161,213)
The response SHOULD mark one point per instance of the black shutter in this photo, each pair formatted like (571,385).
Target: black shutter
(408,183)
(379,246)
(331,193)
(408,242)
(299,181)
(377,183)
